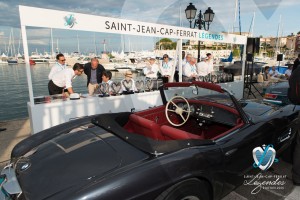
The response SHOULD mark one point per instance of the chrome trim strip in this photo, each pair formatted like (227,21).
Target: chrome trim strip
(272,101)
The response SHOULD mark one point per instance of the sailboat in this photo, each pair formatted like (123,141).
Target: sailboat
(3,60)
(11,49)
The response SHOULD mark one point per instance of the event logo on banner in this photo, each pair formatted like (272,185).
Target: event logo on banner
(70,20)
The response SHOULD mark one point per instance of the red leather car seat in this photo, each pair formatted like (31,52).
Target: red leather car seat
(148,128)
(176,134)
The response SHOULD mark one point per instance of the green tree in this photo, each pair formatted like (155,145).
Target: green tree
(166,43)
(165,40)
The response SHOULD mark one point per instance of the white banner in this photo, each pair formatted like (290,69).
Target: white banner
(46,18)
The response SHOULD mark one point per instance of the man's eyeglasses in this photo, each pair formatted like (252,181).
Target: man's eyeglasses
(63,60)
(165,57)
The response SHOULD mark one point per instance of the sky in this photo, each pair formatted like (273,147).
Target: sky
(170,12)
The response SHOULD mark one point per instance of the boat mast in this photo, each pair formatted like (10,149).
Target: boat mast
(13,42)
(19,43)
(277,37)
(234,16)
(78,48)
(57,48)
(52,50)
(95,46)
(253,20)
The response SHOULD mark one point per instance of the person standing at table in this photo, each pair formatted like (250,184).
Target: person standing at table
(128,84)
(176,75)
(107,82)
(288,72)
(93,71)
(167,69)
(150,71)
(190,71)
(210,62)
(63,79)
(59,65)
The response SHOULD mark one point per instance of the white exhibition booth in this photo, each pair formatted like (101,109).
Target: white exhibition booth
(43,116)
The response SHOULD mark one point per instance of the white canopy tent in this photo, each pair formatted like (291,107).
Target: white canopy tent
(46,18)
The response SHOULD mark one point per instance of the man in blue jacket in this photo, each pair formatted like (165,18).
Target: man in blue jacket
(93,71)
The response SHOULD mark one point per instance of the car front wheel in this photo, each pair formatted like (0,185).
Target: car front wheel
(192,189)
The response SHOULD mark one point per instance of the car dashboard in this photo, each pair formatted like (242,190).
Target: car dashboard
(211,113)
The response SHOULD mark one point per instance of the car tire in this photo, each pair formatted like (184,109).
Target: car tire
(192,189)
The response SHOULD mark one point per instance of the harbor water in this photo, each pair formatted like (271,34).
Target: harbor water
(14,88)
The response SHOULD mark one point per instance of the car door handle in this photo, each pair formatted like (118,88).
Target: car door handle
(228,153)
(286,136)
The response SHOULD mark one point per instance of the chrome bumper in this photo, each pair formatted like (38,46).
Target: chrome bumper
(272,101)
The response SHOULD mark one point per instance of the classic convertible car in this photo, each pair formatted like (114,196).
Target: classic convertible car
(197,145)
(277,93)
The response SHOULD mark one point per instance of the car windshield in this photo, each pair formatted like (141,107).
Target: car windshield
(198,93)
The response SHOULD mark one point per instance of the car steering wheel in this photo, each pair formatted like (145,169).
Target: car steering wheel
(178,110)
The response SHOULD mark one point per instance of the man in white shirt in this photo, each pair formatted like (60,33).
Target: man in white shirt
(203,67)
(210,62)
(63,79)
(288,72)
(59,65)
(273,72)
(151,69)
(190,71)
(167,69)
(176,75)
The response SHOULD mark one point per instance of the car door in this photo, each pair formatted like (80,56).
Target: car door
(238,148)
(283,121)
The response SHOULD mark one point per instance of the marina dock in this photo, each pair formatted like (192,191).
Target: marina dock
(17,130)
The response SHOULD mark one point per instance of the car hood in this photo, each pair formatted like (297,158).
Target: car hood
(72,159)
(255,107)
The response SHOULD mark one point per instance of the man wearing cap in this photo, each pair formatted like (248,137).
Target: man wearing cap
(167,69)
(93,71)
(151,69)
(128,84)
(202,67)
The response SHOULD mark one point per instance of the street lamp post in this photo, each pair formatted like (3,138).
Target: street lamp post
(202,21)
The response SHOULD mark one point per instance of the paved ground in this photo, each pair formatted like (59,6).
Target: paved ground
(17,130)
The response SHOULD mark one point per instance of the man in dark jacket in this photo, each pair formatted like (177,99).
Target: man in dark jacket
(294,97)
(296,62)
(93,71)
